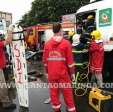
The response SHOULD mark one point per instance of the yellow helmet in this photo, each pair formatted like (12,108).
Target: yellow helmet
(90,17)
(96,34)
(71,33)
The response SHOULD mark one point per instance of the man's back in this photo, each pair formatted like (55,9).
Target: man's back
(57,58)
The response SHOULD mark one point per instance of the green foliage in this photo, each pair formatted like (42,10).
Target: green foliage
(44,11)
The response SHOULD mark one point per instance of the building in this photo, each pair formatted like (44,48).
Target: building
(7,17)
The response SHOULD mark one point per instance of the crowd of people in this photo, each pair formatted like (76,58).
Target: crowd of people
(60,64)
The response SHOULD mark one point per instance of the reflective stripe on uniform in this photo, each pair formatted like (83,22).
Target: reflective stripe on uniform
(71,65)
(56,59)
(45,64)
(71,109)
(79,52)
(56,106)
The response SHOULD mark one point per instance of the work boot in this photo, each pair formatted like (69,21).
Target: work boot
(47,101)
(58,110)
(71,111)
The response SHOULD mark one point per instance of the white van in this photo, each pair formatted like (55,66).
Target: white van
(103,14)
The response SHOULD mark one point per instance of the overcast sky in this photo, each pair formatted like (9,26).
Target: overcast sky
(16,7)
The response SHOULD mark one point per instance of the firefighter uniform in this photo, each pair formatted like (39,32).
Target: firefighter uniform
(96,51)
(3,91)
(59,64)
(96,56)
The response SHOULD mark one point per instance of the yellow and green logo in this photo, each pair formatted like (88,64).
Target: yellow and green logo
(105,17)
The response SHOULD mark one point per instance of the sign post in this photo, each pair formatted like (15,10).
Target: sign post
(20,67)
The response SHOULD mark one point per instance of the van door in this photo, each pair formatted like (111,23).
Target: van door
(104,20)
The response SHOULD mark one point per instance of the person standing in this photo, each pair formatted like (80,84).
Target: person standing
(59,64)
(96,52)
(90,24)
(4,99)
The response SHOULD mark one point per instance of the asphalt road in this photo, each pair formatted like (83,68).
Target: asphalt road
(38,95)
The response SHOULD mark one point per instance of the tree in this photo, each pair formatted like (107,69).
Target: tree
(44,11)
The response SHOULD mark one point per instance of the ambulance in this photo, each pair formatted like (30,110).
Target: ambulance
(102,12)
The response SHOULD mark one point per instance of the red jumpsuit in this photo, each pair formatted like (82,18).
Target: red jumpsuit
(2,55)
(96,51)
(59,64)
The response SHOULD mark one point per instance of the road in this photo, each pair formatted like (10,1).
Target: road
(38,95)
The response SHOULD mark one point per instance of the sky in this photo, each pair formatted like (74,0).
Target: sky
(17,7)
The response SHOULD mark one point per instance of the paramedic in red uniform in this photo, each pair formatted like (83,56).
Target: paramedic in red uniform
(96,51)
(4,97)
(58,61)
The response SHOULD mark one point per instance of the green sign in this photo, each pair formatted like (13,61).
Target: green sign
(105,17)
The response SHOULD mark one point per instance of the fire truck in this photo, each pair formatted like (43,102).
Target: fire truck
(41,33)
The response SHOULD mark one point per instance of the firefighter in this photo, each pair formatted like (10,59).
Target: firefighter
(90,24)
(59,64)
(31,41)
(96,52)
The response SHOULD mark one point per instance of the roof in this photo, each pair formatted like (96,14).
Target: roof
(95,5)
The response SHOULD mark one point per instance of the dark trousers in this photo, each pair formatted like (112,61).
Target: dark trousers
(108,67)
